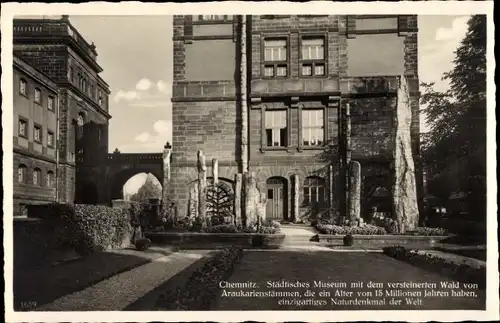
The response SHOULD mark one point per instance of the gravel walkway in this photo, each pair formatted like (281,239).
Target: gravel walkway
(117,292)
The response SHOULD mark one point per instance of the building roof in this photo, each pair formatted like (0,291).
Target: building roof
(34,73)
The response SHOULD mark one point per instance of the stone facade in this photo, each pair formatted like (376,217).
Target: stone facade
(303,71)
(56,50)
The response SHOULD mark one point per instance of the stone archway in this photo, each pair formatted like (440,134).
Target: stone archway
(120,178)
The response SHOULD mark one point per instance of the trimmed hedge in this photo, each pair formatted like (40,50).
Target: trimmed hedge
(461,272)
(366,229)
(89,228)
(202,286)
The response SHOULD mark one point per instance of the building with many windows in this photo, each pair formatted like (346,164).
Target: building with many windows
(55,69)
(285,117)
(35,135)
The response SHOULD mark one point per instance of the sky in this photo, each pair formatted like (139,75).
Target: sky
(136,55)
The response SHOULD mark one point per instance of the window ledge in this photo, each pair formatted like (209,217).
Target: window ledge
(264,149)
(312,148)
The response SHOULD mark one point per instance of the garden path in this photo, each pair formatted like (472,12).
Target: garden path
(119,291)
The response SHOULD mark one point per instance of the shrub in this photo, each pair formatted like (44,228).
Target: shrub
(202,286)
(348,240)
(89,228)
(461,272)
(274,224)
(223,228)
(366,229)
(427,231)
(143,244)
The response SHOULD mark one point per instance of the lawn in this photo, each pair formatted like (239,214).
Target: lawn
(342,267)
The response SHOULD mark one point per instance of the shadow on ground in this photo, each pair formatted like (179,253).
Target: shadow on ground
(34,287)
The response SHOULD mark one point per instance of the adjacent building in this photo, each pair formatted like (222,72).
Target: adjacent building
(285,119)
(61,112)
(35,137)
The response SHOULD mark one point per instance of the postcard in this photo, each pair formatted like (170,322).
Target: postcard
(244,161)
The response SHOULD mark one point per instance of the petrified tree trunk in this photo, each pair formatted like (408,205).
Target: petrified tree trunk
(243,94)
(296,196)
(405,204)
(193,201)
(167,152)
(202,188)
(215,172)
(238,178)
(354,192)
(253,201)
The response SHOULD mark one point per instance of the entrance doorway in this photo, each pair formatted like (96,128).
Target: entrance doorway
(276,205)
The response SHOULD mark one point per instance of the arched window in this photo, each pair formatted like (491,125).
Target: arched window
(21,173)
(37,174)
(49,179)
(314,190)
(80,120)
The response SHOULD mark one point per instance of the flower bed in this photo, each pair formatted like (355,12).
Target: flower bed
(460,272)
(366,229)
(202,286)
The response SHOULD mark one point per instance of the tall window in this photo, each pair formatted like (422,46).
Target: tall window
(50,103)
(314,190)
(79,123)
(38,95)
(313,56)
(275,58)
(37,174)
(313,127)
(50,139)
(276,128)
(22,87)
(23,128)
(21,173)
(37,134)
(49,179)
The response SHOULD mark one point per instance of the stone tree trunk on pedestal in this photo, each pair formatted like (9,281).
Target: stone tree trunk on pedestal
(354,193)
(254,202)
(193,201)
(404,189)
(243,93)
(238,179)
(167,152)
(202,189)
